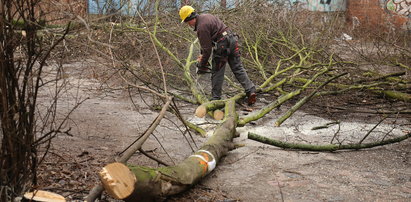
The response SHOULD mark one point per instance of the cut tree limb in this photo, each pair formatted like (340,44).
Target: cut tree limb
(154,183)
(328,148)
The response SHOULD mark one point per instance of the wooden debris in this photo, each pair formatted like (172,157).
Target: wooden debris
(44,196)
(117,180)
(201,111)
(218,115)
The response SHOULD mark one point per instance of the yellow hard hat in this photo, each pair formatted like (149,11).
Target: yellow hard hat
(185,12)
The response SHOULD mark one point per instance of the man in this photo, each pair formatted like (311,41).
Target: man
(215,37)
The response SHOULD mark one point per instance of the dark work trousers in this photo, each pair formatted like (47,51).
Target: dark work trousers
(227,50)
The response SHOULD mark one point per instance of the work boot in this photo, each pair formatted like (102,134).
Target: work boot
(203,70)
(252,98)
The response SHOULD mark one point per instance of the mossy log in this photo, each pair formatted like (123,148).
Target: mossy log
(325,148)
(156,183)
(396,95)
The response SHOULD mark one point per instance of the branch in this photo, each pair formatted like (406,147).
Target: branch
(281,100)
(98,189)
(324,148)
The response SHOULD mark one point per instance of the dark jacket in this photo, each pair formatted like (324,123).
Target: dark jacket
(208,28)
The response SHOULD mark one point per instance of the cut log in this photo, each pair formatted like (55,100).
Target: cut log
(117,180)
(218,115)
(201,111)
(43,196)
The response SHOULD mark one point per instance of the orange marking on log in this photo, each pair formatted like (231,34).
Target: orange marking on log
(205,156)
(205,163)
(205,167)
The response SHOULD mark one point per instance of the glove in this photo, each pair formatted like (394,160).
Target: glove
(203,69)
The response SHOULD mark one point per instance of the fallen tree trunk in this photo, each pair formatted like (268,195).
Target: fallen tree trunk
(154,183)
(328,148)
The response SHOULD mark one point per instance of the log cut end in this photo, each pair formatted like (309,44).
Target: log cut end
(201,111)
(44,196)
(118,180)
(218,114)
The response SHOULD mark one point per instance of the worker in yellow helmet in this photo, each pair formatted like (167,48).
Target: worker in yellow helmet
(216,38)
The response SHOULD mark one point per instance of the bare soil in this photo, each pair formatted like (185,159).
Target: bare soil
(107,122)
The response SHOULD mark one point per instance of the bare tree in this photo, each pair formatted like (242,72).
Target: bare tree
(24,52)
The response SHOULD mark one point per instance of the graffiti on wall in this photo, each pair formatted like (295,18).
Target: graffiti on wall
(400,7)
(325,2)
(327,5)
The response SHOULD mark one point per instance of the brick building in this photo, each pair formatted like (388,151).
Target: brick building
(61,11)
(372,14)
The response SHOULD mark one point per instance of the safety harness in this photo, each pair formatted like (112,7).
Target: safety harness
(225,45)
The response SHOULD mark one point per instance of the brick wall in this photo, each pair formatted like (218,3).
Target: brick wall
(61,11)
(371,14)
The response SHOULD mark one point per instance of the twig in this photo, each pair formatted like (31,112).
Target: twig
(180,117)
(153,158)
(151,35)
(372,129)
(281,191)
(141,87)
(395,74)
(325,126)
(88,35)
(336,133)
(164,149)
(242,157)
